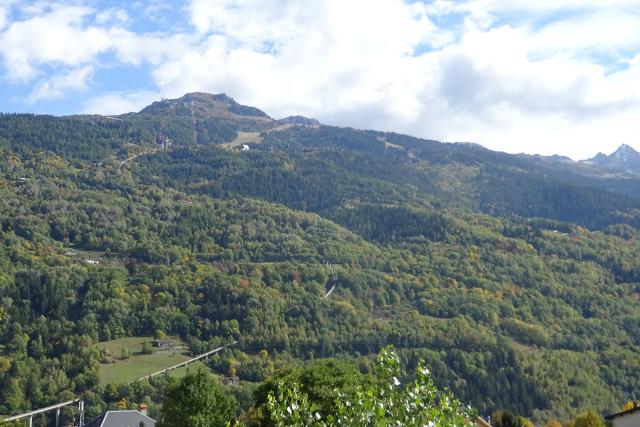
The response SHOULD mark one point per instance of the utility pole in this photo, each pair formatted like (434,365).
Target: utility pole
(81,415)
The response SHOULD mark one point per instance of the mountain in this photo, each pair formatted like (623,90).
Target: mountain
(204,105)
(515,276)
(625,158)
(299,121)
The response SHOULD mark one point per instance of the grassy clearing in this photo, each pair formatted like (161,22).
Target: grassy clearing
(243,138)
(133,344)
(87,257)
(192,367)
(138,365)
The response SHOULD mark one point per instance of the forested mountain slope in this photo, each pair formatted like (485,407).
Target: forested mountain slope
(481,262)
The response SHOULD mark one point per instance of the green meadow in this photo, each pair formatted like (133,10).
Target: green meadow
(138,365)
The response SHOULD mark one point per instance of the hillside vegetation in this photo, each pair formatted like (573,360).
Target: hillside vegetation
(515,278)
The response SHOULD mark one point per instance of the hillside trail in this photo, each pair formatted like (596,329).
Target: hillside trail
(122,163)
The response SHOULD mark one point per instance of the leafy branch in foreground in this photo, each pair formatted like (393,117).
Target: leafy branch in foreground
(384,402)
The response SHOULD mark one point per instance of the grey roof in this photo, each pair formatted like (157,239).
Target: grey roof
(128,418)
(623,413)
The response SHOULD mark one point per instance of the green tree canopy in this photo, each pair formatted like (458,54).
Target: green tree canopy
(321,382)
(588,419)
(197,401)
(384,401)
(507,419)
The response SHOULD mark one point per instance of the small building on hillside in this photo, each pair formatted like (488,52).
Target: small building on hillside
(481,422)
(630,417)
(163,344)
(163,142)
(127,418)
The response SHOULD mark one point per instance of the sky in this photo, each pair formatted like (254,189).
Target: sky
(540,76)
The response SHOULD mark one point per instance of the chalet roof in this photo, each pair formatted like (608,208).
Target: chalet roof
(127,418)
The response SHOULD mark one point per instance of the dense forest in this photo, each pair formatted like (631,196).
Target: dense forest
(517,279)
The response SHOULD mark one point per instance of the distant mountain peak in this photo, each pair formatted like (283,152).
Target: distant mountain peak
(624,158)
(626,153)
(208,97)
(205,105)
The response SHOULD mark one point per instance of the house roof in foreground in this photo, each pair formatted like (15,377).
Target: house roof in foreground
(127,418)
(623,413)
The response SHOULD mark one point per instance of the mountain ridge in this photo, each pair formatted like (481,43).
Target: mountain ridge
(444,174)
(223,106)
(624,158)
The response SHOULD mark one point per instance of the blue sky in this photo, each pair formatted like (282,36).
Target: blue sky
(548,77)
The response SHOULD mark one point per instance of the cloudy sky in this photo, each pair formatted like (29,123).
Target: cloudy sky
(537,76)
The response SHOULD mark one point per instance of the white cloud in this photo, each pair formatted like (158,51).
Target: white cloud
(3,16)
(64,36)
(550,6)
(602,32)
(523,10)
(55,37)
(113,15)
(367,24)
(60,84)
(118,103)
(493,67)
(6,7)
(136,49)
(633,61)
